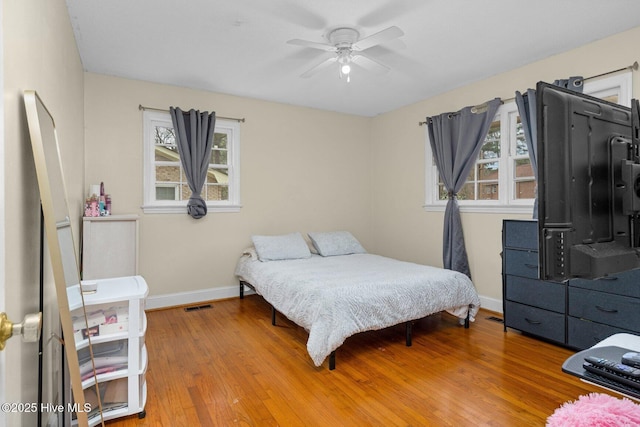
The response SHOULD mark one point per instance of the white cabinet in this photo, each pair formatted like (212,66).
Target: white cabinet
(115,326)
(109,246)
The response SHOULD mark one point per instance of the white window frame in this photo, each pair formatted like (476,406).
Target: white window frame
(151,119)
(617,84)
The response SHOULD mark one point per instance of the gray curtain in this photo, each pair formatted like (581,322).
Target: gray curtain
(194,137)
(528,117)
(456,140)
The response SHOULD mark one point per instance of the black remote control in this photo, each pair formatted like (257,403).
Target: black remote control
(632,359)
(618,368)
(608,377)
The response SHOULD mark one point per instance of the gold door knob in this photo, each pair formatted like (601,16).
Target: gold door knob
(29,328)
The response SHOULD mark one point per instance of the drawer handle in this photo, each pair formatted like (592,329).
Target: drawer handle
(533,322)
(607,310)
(531,266)
(610,278)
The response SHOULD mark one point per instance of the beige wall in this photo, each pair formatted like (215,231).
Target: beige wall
(39,53)
(402,228)
(301,170)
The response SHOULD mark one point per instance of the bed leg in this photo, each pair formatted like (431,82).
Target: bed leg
(408,333)
(466,319)
(241,289)
(332,360)
(273,316)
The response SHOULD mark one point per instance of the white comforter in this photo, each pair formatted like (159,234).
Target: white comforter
(336,297)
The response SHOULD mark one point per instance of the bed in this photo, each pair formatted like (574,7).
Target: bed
(342,290)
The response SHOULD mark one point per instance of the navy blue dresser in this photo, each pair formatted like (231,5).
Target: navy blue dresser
(578,313)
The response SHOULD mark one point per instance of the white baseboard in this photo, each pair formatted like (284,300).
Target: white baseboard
(491,304)
(194,297)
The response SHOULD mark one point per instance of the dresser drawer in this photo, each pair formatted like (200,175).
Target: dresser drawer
(520,234)
(536,321)
(538,293)
(605,308)
(583,334)
(626,283)
(521,263)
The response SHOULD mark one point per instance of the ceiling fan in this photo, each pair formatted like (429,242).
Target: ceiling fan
(345,42)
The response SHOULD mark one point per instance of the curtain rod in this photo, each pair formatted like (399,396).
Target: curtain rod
(631,67)
(142,108)
(480,108)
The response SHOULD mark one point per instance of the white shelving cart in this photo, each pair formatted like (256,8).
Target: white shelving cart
(116,327)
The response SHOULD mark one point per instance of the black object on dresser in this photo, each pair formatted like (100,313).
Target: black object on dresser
(577,313)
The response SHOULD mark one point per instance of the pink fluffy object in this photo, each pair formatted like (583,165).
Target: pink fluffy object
(596,410)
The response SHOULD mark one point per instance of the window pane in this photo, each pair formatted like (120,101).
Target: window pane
(491,147)
(525,189)
(523,168)
(220,141)
(488,190)
(164,136)
(216,192)
(165,144)
(521,143)
(218,175)
(168,173)
(218,157)
(185,191)
(467,192)
(165,193)
(166,154)
(488,171)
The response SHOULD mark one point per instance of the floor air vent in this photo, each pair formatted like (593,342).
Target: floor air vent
(197,307)
(495,319)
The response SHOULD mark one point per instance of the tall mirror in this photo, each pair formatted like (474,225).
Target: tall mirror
(59,238)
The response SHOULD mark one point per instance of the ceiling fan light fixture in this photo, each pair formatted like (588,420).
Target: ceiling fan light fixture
(346,43)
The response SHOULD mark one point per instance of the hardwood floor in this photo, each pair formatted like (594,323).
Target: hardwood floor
(228,366)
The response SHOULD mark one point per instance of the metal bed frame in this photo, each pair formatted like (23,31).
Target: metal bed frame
(332,356)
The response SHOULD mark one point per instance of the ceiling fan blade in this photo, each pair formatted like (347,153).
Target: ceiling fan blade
(369,64)
(378,38)
(317,68)
(314,45)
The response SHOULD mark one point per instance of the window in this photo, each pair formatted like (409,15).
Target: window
(503,178)
(166,189)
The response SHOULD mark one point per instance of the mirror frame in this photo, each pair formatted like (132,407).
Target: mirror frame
(33,104)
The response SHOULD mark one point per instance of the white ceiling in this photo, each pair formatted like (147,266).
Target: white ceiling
(239,47)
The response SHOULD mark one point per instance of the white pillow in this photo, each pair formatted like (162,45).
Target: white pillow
(336,243)
(285,246)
